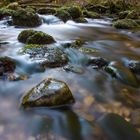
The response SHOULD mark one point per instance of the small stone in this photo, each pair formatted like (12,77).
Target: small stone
(89,100)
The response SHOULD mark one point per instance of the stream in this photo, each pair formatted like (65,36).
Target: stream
(95,91)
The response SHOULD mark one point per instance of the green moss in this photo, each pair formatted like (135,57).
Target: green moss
(26,18)
(35,37)
(89,14)
(133,14)
(63,15)
(47,11)
(75,12)
(40,38)
(125,24)
(30,47)
(24,35)
(88,50)
(5,12)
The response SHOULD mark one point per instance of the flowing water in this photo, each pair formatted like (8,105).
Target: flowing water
(95,91)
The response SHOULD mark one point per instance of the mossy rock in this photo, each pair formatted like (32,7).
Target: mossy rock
(35,37)
(13,6)
(7,65)
(123,14)
(48,11)
(26,19)
(63,15)
(80,20)
(4,12)
(40,38)
(24,35)
(89,14)
(133,15)
(49,93)
(75,12)
(125,24)
(78,43)
(116,127)
(45,56)
(88,50)
(97,8)
(30,9)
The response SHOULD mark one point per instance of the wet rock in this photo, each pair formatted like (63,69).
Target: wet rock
(122,73)
(40,38)
(116,128)
(78,43)
(125,24)
(97,62)
(47,57)
(48,11)
(74,68)
(4,12)
(35,37)
(26,19)
(81,20)
(48,93)
(75,12)
(134,66)
(63,15)
(7,65)
(24,35)
(89,14)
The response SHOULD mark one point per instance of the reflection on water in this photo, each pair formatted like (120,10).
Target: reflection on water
(105,92)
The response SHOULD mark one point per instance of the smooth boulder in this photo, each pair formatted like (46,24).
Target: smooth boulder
(49,93)
(35,37)
(116,128)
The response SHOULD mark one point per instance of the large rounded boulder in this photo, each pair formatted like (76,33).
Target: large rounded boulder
(27,19)
(48,93)
(35,37)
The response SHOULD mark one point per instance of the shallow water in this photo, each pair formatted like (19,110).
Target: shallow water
(95,91)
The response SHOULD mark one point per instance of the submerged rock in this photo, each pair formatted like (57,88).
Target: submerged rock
(35,37)
(27,19)
(122,73)
(78,43)
(125,24)
(48,93)
(134,66)
(46,11)
(97,62)
(74,68)
(7,65)
(116,128)
(46,56)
